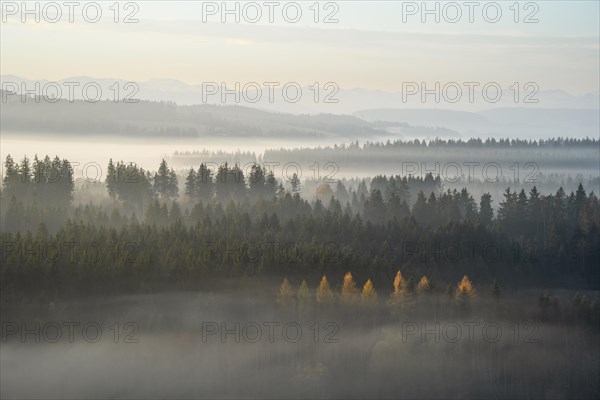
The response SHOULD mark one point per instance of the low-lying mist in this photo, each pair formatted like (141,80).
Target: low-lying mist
(243,343)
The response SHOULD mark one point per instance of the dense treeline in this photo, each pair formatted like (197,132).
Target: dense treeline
(555,151)
(47,180)
(482,166)
(232,225)
(549,155)
(445,143)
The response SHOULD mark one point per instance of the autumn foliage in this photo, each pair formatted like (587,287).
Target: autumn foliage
(424,286)
(349,293)
(400,294)
(465,289)
(368,295)
(324,292)
(285,296)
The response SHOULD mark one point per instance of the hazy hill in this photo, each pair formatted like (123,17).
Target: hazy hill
(525,123)
(168,119)
(349,100)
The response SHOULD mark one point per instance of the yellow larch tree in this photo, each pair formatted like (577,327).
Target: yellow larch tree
(465,289)
(285,296)
(368,295)
(400,289)
(349,292)
(424,286)
(324,292)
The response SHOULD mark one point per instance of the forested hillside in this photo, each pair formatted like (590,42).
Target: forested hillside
(146,231)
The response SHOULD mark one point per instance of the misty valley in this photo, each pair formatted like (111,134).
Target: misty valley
(225,280)
(299,199)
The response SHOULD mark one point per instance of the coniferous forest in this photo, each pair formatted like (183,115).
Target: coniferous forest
(388,258)
(225,224)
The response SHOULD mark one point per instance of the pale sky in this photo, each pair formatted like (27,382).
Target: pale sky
(370,47)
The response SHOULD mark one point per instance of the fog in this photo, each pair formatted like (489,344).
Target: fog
(146,152)
(174,354)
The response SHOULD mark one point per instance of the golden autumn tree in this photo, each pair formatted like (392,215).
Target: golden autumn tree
(285,295)
(368,296)
(424,286)
(324,292)
(349,293)
(324,192)
(400,293)
(465,289)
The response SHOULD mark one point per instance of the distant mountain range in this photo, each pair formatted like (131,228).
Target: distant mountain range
(348,100)
(515,122)
(362,119)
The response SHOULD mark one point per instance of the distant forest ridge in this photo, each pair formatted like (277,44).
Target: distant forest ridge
(550,155)
(162,119)
(167,119)
(558,142)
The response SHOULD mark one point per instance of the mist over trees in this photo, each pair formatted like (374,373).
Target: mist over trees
(480,165)
(365,240)
(226,223)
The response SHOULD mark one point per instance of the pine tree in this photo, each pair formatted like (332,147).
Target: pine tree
(397,208)
(205,187)
(238,182)
(341,193)
(375,209)
(26,179)
(173,185)
(161,180)
(191,188)
(334,206)
(467,206)
(67,184)
(257,182)
(295,183)
(272,187)
(11,178)
(507,215)
(534,213)
(521,213)
(111,179)
(579,202)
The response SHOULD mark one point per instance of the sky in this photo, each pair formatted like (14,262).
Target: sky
(376,45)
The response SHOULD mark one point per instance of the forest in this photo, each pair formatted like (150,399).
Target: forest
(155,229)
